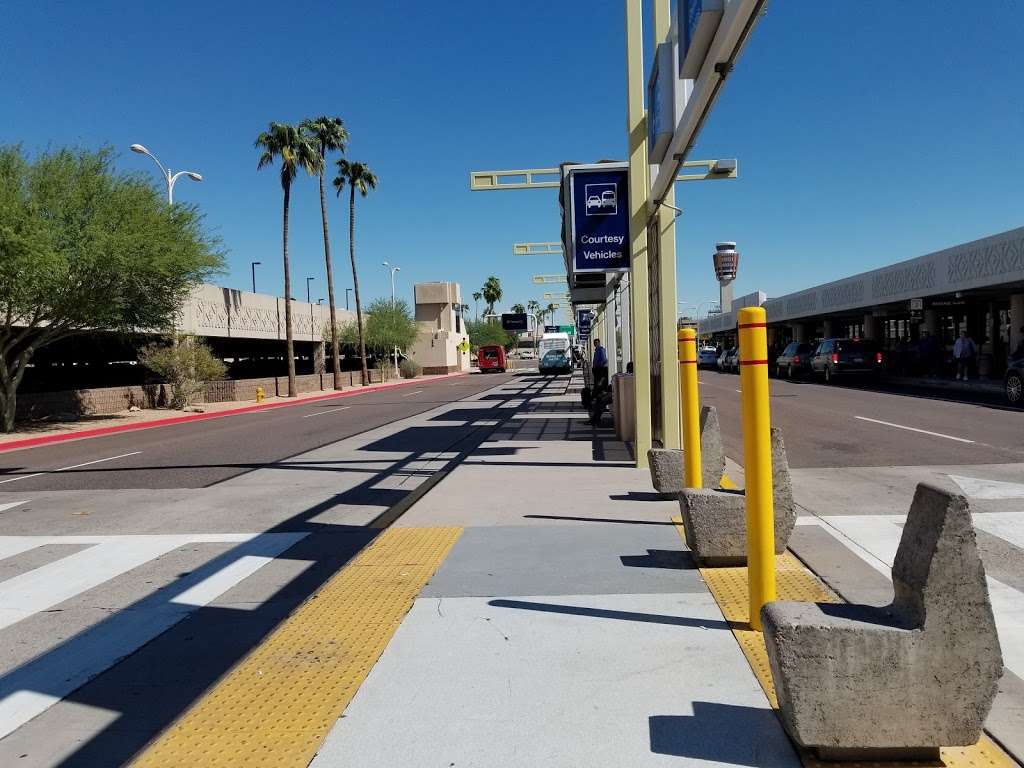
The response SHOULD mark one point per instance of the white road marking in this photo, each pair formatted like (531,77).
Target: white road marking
(979,488)
(1008,526)
(323,413)
(410,394)
(34,687)
(875,539)
(12,504)
(915,429)
(73,466)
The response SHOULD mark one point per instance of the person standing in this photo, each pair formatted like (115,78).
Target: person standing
(964,351)
(599,366)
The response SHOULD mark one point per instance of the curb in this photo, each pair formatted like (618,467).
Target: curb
(32,442)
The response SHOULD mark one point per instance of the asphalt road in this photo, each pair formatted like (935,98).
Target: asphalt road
(846,426)
(199,454)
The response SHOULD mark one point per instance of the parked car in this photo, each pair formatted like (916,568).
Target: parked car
(555,361)
(730,361)
(707,357)
(1014,382)
(794,361)
(846,357)
(526,354)
(492,358)
(723,358)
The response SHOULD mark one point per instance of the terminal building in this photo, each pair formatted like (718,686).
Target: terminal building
(976,287)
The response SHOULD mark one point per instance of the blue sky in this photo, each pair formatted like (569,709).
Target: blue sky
(866,132)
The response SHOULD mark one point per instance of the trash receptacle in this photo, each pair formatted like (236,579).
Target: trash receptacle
(623,406)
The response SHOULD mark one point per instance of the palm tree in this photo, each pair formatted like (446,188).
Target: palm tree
(551,311)
(358,176)
(518,308)
(296,152)
(492,293)
(330,135)
(476,302)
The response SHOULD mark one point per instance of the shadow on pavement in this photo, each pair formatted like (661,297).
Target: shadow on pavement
(723,734)
(598,520)
(601,613)
(661,558)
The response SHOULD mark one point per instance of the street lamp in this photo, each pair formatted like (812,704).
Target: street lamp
(309,301)
(347,292)
(254,264)
(169,179)
(393,270)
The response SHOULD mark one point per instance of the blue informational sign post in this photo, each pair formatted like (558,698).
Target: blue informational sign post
(583,323)
(600,219)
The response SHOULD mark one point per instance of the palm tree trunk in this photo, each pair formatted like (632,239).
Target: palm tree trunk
(355,279)
(335,357)
(289,342)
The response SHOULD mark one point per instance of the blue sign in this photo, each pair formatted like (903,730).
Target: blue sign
(583,319)
(600,219)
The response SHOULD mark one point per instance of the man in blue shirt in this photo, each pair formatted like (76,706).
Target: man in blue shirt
(600,366)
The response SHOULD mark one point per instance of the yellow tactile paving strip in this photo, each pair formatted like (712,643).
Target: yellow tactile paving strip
(795,582)
(277,705)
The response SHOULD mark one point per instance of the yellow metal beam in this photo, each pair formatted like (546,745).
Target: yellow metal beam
(713,169)
(542,279)
(550,178)
(537,249)
(639,190)
(526,178)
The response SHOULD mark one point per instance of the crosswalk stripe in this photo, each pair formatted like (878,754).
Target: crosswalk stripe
(31,689)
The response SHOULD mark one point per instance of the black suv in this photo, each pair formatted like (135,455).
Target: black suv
(795,360)
(1014,382)
(846,357)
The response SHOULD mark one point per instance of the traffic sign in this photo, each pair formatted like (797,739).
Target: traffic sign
(598,216)
(514,321)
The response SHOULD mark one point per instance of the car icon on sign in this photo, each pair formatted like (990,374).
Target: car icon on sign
(594,201)
(602,199)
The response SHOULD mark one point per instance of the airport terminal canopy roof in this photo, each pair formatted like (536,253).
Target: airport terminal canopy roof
(995,262)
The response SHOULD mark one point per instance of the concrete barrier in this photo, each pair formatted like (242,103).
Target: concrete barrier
(715,521)
(667,463)
(858,682)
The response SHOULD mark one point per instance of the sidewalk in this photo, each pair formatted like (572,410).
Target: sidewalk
(566,627)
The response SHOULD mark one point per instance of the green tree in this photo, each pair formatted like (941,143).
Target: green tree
(83,247)
(330,135)
(389,326)
(296,152)
(491,292)
(518,308)
(186,364)
(551,310)
(476,302)
(359,177)
(482,334)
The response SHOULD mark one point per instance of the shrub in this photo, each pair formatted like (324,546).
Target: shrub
(186,364)
(410,368)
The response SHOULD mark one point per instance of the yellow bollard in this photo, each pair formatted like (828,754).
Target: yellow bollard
(689,402)
(259,394)
(757,459)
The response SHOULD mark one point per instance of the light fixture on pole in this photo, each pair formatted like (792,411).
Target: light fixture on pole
(254,264)
(309,301)
(347,292)
(393,270)
(169,178)
(388,266)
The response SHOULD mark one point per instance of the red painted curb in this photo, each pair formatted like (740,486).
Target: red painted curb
(31,442)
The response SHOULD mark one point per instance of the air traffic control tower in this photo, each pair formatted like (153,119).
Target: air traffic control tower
(727,261)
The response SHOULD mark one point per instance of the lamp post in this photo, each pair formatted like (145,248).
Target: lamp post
(393,270)
(169,178)
(254,264)
(347,292)
(309,301)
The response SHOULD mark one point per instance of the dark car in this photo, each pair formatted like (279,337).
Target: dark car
(795,360)
(846,357)
(1014,382)
(555,361)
